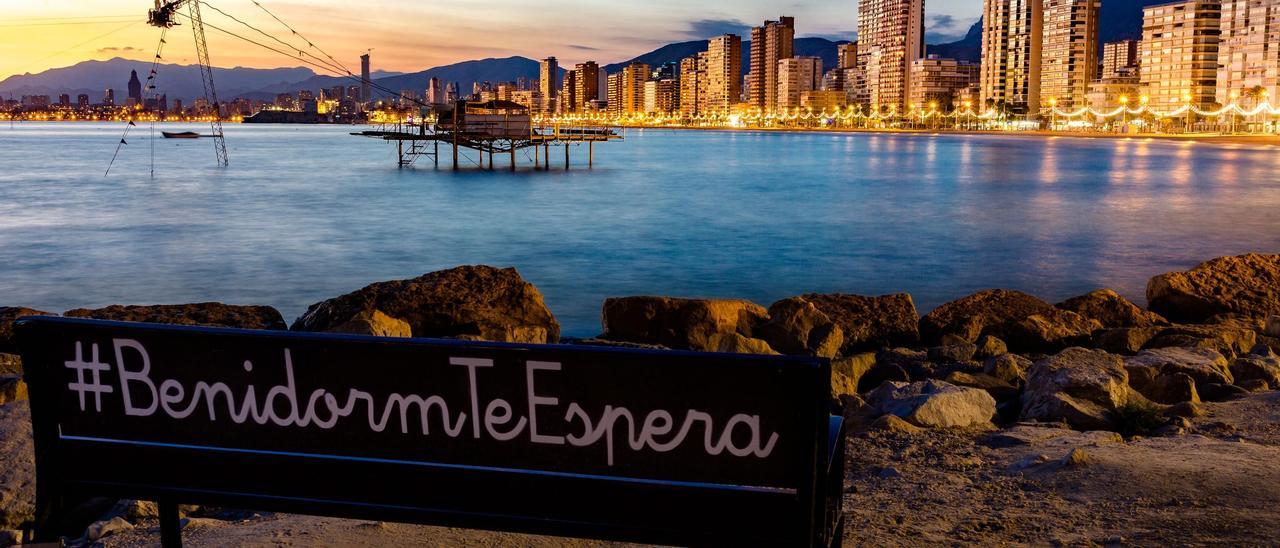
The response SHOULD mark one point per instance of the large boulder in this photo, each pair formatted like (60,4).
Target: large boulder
(1261,364)
(202,314)
(1203,365)
(376,324)
(1272,328)
(12,389)
(1111,310)
(691,324)
(1010,368)
(871,323)
(1248,285)
(1230,337)
(934,404)
(9,314)
(796,326)
(734,343)
(1024,322)
(10,364)
(468,302)
(1078,386)
(1124,340)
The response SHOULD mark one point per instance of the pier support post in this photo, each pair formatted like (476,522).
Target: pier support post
(436,156)
(566,157)
(513,155)
(591,154)
(546,157)
(537,157)
(490,156)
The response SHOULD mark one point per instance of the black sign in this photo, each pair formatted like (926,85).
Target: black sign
(440,412)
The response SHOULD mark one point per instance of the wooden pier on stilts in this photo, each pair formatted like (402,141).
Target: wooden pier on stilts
(494,128)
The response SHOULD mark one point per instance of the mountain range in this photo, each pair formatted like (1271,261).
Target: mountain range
(1120,19)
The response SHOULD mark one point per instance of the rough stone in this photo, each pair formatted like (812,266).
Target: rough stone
(1111,310)
(679,323)
(1076,458)
(1258,365)
(733,343)
(105,528)
(1272,328)
(796,326)
(10,364)
(891,423)
(970,317)
(1078,386)
(375,323)
(1124,340)
(1221,392)
(1202,365)
(998,388)
(881,373)
(1050,331)
(934,403)
(952,354)
(842,385)
(475,302)
(134,510)
(12,389)
(870,323)
(1172,389)
(1231,337)
(1185,409)
(1010,368)
(17,466)
(990,347)
(202,314)
(1248,285)
(854,367)
(1255,385)
(9,314)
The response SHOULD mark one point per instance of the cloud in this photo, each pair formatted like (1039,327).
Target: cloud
(582,47)
(943,28)
(118,49)
(708,28)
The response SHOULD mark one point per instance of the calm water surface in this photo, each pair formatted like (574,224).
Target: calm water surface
(308,213)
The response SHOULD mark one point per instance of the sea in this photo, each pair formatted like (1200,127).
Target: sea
(306,213)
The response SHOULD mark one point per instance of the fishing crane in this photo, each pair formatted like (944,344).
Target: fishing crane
(165,16)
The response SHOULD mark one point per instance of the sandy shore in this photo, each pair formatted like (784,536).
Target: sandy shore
(1199,138)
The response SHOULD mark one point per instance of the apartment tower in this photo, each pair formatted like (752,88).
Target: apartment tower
(1179,52)
(1069,56)
(770,43)
(890,39)
(1249,55)
(1012,40)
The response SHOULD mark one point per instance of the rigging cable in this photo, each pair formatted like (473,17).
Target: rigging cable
(281,42)
(125,135)
(299,35)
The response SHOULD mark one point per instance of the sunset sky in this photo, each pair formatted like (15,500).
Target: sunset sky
(412,35)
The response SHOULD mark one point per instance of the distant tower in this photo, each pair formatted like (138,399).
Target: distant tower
(435,93)
(135,88)
(550,81)
(109,97)
(365,93)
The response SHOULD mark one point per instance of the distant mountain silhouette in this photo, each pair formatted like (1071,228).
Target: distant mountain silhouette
(177,81)
(809,47)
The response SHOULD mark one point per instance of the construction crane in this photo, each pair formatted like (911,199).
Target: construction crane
(165,15)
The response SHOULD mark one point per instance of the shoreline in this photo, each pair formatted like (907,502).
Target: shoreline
(1198,138)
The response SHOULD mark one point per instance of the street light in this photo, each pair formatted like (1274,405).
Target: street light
(1053,113)
(1124,109)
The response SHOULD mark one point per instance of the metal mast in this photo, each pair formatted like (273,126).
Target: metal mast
(164,16)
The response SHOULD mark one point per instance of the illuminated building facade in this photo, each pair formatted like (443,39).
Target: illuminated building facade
(890,38)
(1012,38)
(770,43)
(1069,54)
(1179,52)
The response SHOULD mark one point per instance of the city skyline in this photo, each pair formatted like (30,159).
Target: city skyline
(59,33)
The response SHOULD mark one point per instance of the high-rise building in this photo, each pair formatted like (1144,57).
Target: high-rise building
(569,95)
(135,88)
(549,81)
(890,38)
(1119,59)
(940,82)
(797,75)
(109,97)
(1179,52)
(626,89)
(693,75)
(64,100)
(1069,54)
(770,43)
(366,90)
(1249,55)
(82,101)
(586,85)
(1012,39)
(724,73)
(660,96)
(847,55)
(435,91)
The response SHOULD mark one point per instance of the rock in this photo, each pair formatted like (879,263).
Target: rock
(796,326)
(733,343)
(1010,368)
(998,388)
(990,347)
(10,537)
(203,314)
(934,403)
(12,389)
(1248,285)
(106,528)
(17,466)
(842,385)
(1186,409)
(1230,338)
(1111,310)
(1273,327)
(854,367)
(952,354)
(970,317)
(1079,386)
(679,323)
(1173,388)
(881,373)
(1124,340)
(891,423)
(375,323)
(10,364)
(475,302)
(134,510)
(1050,331)
(1258,365)
(1221,392)
(9,314)
(1255,385)
(1202,365)
(1076,458)
(870,323)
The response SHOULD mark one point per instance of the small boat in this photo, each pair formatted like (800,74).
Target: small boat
(180,135)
